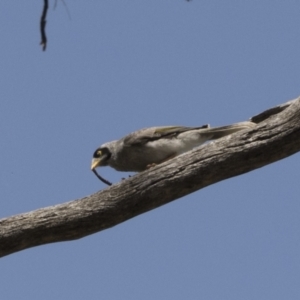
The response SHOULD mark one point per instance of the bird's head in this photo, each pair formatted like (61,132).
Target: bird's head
(100,158)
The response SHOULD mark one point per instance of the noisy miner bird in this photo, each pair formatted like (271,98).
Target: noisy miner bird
(151,146)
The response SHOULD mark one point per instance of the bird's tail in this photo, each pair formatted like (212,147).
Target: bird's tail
(218,132)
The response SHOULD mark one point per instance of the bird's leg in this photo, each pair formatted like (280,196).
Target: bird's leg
(154,164)
(151,165)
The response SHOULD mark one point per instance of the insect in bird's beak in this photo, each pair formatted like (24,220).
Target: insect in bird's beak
(101,178)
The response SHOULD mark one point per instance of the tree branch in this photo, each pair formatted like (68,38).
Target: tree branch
(276,136)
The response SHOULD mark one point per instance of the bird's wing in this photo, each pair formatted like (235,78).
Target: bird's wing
(218,132)
(154,133)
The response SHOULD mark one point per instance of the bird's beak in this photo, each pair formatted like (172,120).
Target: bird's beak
(96,162)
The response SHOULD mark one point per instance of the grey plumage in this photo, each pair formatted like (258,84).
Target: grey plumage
(149,146)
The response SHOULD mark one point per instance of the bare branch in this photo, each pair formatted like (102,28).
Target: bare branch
(275,138)
(272,111)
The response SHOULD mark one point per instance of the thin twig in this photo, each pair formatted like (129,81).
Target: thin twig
(66,7)
(43,25)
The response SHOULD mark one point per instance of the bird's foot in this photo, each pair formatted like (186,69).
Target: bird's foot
(123,178)
(151,165)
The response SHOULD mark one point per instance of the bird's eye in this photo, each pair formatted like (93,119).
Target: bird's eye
(97,153)
(102,153)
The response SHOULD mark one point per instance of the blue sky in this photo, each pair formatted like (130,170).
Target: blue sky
(117,66)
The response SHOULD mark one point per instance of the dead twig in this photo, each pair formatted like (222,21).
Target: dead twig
(43,26)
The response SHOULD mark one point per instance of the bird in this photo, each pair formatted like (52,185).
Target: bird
(147,147)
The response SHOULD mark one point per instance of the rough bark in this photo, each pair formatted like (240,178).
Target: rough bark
(276,136)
